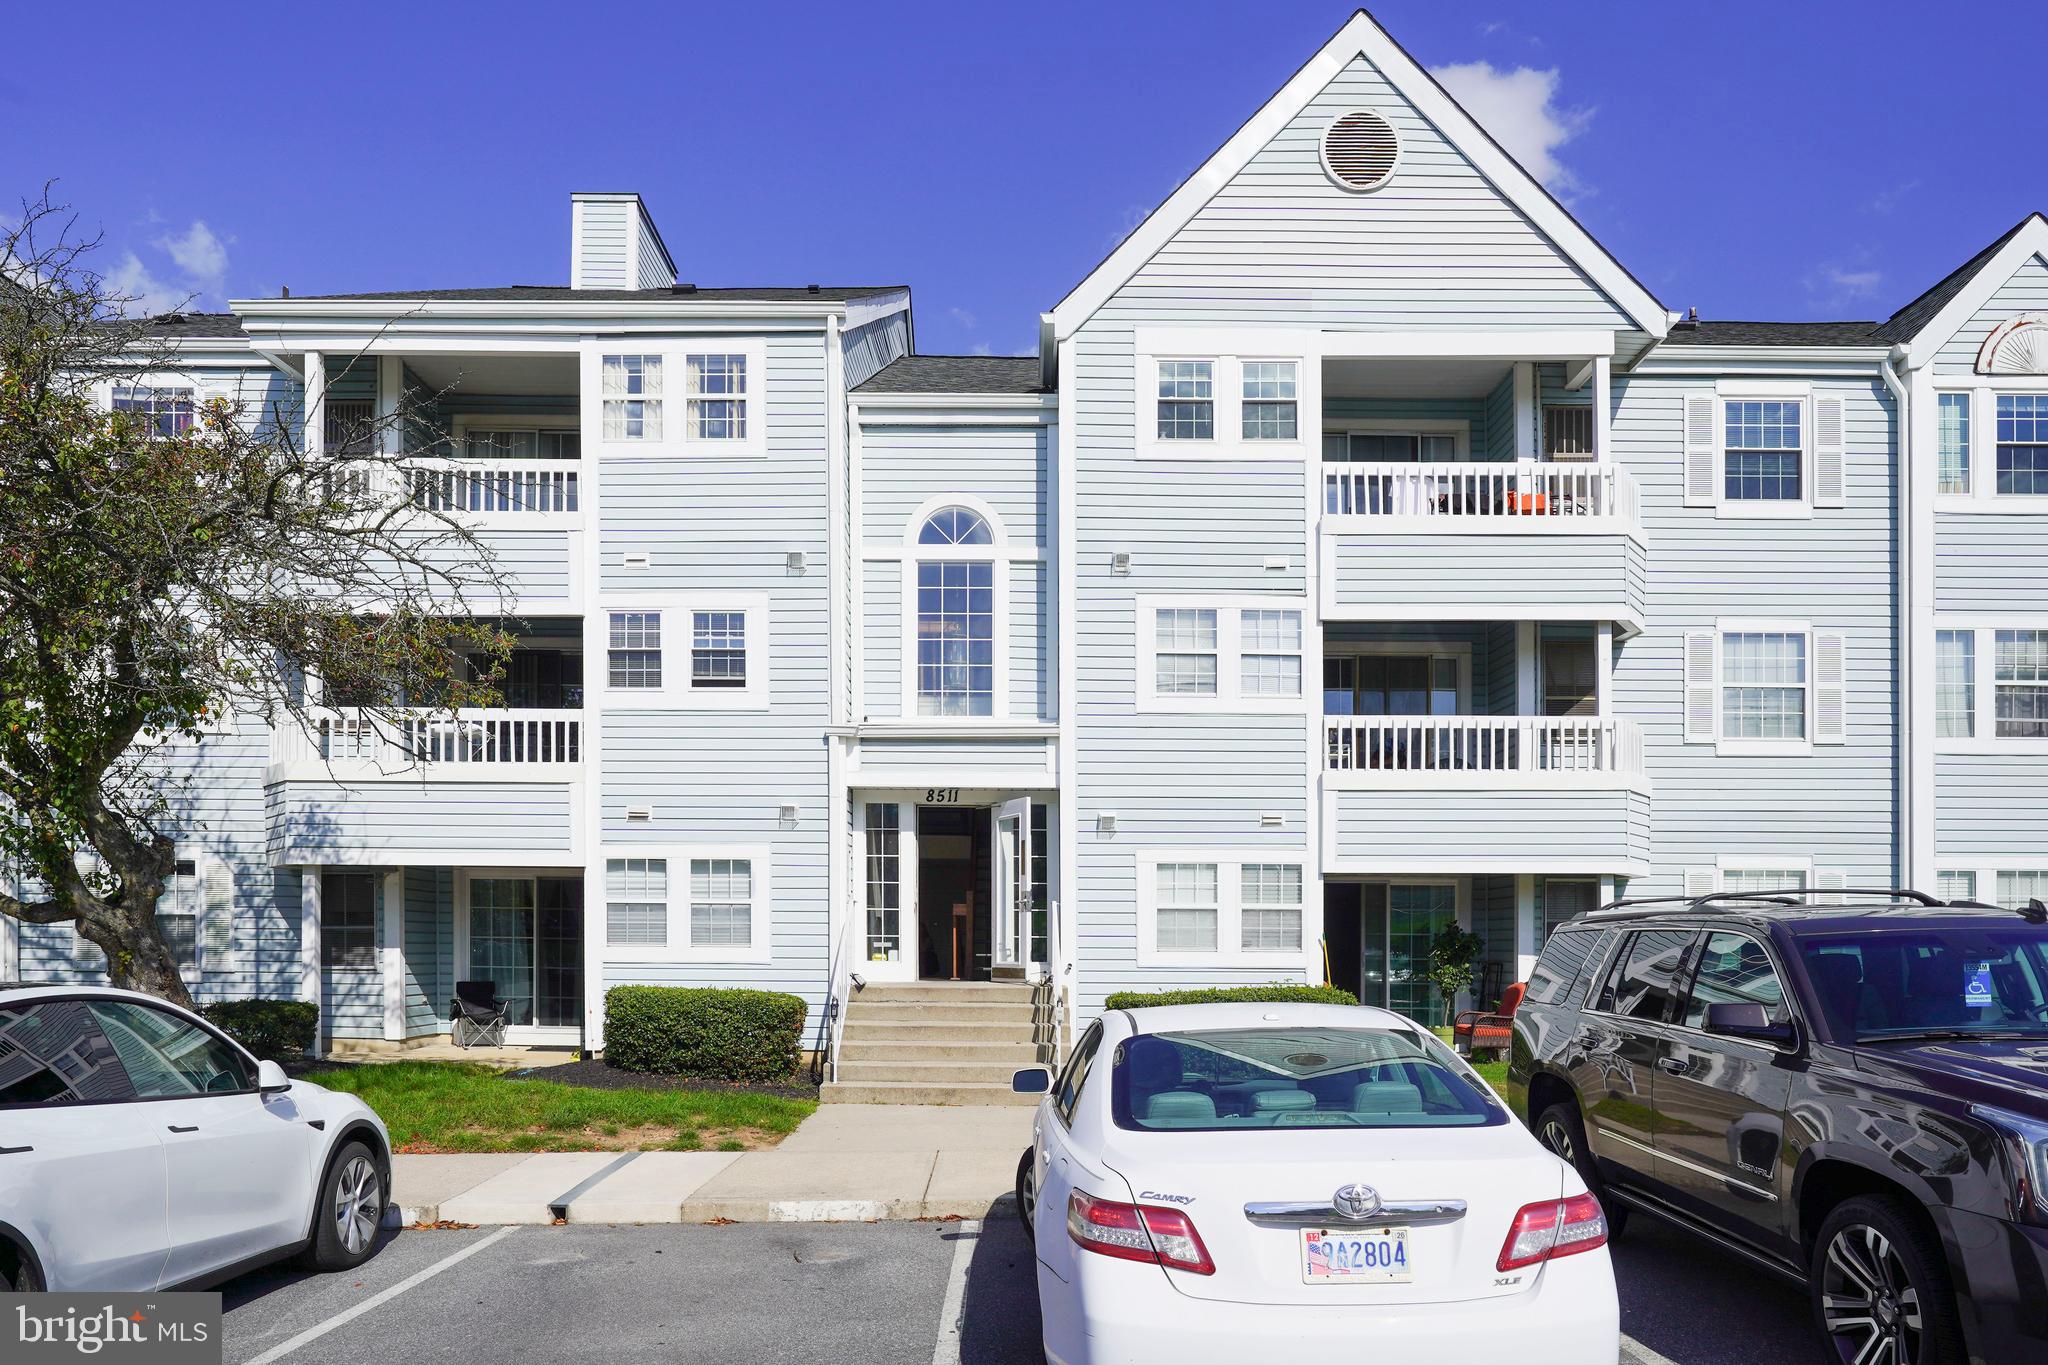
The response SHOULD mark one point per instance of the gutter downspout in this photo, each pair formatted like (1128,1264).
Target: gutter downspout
(1909,798)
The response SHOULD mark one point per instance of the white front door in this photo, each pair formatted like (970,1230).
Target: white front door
(1010,906)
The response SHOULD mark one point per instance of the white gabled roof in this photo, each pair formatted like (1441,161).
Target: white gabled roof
(1361,36)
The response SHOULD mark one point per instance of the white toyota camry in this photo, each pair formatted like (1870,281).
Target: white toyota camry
(1217,1182)
(141,1149)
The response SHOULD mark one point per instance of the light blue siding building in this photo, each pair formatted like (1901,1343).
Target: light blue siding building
(1365,551)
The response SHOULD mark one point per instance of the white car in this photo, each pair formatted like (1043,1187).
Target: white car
(1232,1182)
(141,1149)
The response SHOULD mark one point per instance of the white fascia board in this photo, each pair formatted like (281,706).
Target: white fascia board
(884,409)
(1925,344)
(1361,36)
(861,312)
(1669,360)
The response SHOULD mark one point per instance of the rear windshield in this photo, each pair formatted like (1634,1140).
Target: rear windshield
(1972,978)
(1216,1079)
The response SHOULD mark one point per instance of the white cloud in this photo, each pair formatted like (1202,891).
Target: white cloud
(967,320)
(1519,107)
(202,257)
(1833,285)
(140,293)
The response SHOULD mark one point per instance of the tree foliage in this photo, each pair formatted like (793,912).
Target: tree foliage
(171,572)
(1453,955)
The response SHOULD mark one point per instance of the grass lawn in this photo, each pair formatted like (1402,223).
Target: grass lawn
(459,1107)
(1494,1074)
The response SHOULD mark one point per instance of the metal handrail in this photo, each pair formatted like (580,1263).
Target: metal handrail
(839,987)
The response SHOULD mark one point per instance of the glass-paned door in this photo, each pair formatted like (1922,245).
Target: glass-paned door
(558,952)
(1416,914)
(1012,867)
(1041,865)
(501,947)
(1372,944)
(1390,685)
(882,832)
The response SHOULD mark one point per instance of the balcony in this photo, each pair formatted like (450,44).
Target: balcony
(348,787)
(1471,541)
(1479,794)
(514,493)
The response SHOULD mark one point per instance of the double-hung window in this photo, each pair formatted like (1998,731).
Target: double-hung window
(956,637)
(1271,652)
(680,903)
(717,397)
(636,902)
(2022,445)
(721,902)
(162,412)
(1220,908)
(177,917)
(631,391)
(1754,880)
(1270,401)
(1764,685)
(718,649)
(1187,400)
(2020,679)
(348,920)
(634,657)
(1764,451)
(1184,660)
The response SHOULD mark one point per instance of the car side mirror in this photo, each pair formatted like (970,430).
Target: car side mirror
(271,1080)
(1032,1080)
(1742,1019)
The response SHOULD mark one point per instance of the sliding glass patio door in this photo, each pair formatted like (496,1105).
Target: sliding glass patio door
(526,938)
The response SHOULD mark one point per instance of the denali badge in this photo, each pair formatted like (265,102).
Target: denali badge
(1356,1201)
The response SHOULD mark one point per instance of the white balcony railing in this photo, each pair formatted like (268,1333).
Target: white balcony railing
(1593,746)
(432,743)
(1483,496)
(494,486)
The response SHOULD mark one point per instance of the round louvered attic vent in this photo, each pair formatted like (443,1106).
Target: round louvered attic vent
(1360,150)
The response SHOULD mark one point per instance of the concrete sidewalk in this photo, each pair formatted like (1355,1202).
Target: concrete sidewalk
(846,1163)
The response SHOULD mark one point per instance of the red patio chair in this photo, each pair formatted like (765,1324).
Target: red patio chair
(1488,1031)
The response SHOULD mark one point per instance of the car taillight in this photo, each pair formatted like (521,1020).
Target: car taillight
(1553,1228)
(1137,1232)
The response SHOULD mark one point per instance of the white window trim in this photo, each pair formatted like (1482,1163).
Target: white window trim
(1750,391)
(1986,870)
(677,692)
(1000,555)
(1229,906)
(676,440)
(1758,747)
(1227,390)
(1984,686)
(1983,497)
(1459,429)
(1229,654)
(679,948)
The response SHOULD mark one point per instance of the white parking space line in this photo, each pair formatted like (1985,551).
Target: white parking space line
(946,1350)
(321,1329)
(1633,1352)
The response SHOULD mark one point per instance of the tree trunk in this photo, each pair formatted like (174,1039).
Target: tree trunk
(138,959)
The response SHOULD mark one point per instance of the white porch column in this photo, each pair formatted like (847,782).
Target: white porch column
(309,945)
(1527,700)
(1525,410)
(1603,668)
(10,945)
(1602,407)
(1526,926)
(390,388)
(391,955)
(315,435)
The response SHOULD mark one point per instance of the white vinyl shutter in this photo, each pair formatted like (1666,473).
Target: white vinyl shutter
(216,916)
(1830,724)
(1701,881)
(1701,449)
(1702,688)
(1828,454)
(1830,879)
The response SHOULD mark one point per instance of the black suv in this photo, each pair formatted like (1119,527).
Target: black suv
(1849,1089)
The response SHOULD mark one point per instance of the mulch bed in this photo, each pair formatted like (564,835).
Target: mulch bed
(603,1076)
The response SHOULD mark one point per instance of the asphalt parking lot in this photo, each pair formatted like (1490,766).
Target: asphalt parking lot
(851,1293)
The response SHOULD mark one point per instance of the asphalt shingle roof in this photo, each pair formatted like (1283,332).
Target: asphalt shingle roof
(1905,323)
(1706,333)
(967,374)
(550,293)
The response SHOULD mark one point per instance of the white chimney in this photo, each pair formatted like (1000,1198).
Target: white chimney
(613,244)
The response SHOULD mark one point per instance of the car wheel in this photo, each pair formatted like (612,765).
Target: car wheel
(1559,1129)
(1027,1193)
(350,1208)
(1880,1287)
(25,1279)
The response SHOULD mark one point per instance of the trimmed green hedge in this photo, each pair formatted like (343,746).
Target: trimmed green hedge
(274,1030)
(726,1035)
(1276,992)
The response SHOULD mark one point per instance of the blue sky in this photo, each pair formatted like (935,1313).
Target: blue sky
(1787,160)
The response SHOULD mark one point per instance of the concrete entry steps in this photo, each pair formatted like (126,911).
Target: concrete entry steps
(938,1043)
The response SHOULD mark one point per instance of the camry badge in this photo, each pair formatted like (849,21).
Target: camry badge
(1356,1201)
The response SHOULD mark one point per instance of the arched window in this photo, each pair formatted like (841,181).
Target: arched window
(955,526)
(955,666)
